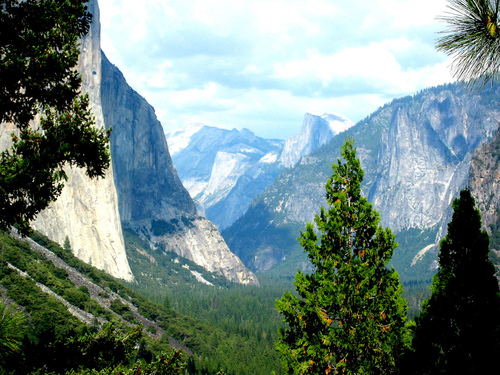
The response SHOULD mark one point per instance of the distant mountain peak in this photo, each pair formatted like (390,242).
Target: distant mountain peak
(315,132)
(179,139)
(225,169)
(338,123)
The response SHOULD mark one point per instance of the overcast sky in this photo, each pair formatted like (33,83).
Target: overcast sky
(262,64)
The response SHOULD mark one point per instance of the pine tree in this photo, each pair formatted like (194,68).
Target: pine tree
(39,50)
(458,331)
(472,39)
(350,317)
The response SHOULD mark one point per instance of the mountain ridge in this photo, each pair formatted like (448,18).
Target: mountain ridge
(225,169)
(415,152)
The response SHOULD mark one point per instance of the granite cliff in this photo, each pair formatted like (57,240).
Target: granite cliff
(152,200)
(314,133)
(416,154)
(141,191)
(87,210)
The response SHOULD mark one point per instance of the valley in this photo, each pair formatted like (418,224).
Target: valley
(179,255)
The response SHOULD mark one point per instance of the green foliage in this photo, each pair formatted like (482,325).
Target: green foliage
(39,53)
(39,41)
(457,331)
(122,309)
(230,327)
(349,316)
(11,330)
(165,364)
(472,39)
(54,339)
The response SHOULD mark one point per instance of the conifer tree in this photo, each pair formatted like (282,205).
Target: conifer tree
(350,317)
(39,51)
(472,40)
(457,331)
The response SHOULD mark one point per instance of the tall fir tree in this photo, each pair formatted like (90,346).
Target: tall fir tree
(350,317)
(458,330)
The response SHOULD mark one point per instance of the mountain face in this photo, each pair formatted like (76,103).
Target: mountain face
(87,210)
(225,169)
(484,183)
(142,190)
(152,200)
(416,154)
(315,132)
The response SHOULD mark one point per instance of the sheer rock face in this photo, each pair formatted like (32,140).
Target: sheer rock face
(147,183)
(416,156)
(424,157)
(314,133)
(484,182)
(87,210)
(415,152)
(152,200)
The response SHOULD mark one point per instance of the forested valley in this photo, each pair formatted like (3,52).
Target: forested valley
(224,326)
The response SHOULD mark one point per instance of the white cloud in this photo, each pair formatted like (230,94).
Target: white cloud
(261,64)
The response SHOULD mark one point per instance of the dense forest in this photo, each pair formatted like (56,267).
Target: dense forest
(46,293)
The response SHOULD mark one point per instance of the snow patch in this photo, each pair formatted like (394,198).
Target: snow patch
(269,158)
(180,139)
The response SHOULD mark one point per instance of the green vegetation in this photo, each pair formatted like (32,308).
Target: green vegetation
(245,318)
(11,331)
(39,44)
(456,332)
(472,40)
(350,316)
(232,328)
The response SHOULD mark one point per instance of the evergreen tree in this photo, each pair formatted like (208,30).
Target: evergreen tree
(350,317)
(472,39)
(39,50)
(458,331)
(11,330)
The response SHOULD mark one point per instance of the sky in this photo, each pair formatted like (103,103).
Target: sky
(263,64)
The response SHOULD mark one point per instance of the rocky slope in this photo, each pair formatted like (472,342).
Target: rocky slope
(416,153)
(224,170)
